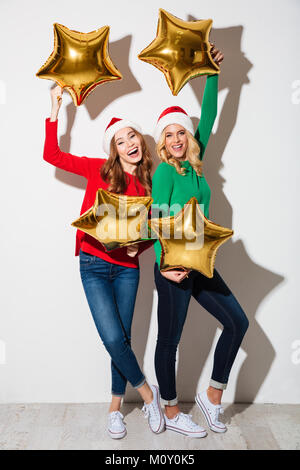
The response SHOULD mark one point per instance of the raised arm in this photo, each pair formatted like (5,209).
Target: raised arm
(209,104)
(52,153)
(208,112)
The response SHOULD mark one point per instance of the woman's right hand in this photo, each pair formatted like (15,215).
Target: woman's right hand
(56,100)
(217,55)
(174,275)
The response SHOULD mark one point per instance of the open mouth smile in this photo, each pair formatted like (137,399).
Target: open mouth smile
(177,147)
(133,152)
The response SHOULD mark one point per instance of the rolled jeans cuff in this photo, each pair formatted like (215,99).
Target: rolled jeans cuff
(117,394)
(219,385)
(169,402)
(140,384)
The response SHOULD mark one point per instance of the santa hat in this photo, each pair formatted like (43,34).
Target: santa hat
(172,115)
(115,125)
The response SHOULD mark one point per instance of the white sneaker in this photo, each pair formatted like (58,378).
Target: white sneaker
(153,412)
(183,424)
(116,428)
(211,412)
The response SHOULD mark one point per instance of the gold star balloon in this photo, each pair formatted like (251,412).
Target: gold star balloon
(189,240)
(181,50)
(116,220)
(79,61)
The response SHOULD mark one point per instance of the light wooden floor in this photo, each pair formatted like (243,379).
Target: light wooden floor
(83,426)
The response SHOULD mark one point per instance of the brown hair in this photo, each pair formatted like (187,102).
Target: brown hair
(192,154)
(113,173)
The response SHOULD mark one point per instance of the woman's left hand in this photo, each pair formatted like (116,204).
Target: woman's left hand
(216,54)
(132,250)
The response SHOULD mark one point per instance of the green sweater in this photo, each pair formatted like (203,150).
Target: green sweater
(171,188)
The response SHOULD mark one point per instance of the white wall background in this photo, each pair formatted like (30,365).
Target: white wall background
(49,347)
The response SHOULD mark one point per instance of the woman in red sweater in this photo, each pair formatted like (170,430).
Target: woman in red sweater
(110,280)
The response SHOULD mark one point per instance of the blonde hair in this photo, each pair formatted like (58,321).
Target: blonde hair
(192,154)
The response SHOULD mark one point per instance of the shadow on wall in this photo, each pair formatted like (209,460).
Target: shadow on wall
(249,282)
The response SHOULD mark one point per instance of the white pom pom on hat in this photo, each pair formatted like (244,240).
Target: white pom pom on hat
(115,125)
(172,115)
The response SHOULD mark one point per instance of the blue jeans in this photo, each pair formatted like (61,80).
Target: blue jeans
(173,301)
(111,291)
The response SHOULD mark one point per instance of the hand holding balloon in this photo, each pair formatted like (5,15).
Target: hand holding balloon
(132,250)
(175,275)
(56,100)
(181,50)
(79,61)
(216,54)
(176,233)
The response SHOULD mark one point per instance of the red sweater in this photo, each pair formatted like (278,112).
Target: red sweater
(90,169)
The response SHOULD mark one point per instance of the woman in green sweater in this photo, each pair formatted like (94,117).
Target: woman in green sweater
(178,178)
